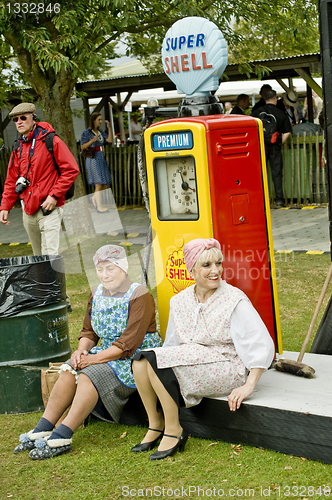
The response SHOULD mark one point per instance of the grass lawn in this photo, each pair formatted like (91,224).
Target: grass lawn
(101,465)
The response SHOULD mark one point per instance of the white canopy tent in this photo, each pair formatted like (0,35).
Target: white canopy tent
(129,83)
(226,91)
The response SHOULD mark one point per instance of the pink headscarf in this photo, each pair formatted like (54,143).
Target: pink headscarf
(194,248)
(112,253)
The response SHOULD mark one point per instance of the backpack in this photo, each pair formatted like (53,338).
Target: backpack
(48,141)
(269,127)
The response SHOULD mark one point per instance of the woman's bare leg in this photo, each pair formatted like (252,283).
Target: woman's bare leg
(96,199)
(84,401)
(61,397)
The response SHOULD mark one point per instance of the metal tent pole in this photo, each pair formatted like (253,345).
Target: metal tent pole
(325,28)
(322,343)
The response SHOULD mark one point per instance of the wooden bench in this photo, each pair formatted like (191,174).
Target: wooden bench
(286,413)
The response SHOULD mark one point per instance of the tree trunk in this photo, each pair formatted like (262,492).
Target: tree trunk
(56,106)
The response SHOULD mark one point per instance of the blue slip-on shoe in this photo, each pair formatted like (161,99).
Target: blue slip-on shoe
(27,440)
(25,444)
(48,449)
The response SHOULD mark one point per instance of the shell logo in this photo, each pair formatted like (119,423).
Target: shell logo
(194,55)
(177,273)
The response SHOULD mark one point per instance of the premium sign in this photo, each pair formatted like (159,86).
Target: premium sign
(172,140)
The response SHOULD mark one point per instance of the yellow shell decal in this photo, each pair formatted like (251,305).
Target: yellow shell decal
(177,273)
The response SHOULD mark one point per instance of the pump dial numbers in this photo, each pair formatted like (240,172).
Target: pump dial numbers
(181,177)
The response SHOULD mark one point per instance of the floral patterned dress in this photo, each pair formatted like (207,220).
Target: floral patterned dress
(109,318)
(205,363)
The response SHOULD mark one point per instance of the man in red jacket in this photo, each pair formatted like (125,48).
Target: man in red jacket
(31,176)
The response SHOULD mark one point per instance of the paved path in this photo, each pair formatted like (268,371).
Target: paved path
(292,229)
(301,230)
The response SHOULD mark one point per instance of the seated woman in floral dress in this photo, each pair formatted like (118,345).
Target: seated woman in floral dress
(98,379)
(216,345)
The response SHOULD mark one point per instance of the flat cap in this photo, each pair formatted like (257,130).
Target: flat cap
(24,107)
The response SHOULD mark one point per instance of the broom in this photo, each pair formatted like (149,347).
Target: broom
(297,367)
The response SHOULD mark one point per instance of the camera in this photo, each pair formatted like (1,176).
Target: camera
(21,184)
(45,212)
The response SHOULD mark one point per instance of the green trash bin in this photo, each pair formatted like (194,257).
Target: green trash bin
(33,325)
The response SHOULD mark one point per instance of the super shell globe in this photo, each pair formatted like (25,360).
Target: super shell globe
(194,55)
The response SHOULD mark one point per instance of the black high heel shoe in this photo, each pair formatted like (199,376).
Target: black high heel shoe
(148,446)
(159,455)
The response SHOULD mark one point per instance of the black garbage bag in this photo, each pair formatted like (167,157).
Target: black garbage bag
(30,282)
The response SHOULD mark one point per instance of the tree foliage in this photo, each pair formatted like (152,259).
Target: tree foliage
(58,45)
(254,31)
(80,37)
(73,40)
(11,75)
(276,32)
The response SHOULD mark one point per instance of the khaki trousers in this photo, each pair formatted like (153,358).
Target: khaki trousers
(44,231)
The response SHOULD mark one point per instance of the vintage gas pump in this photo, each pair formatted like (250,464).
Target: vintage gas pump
(207,178)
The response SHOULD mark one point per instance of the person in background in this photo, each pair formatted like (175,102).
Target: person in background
(228,107)
(319,106)
(261,102)
(216,345)
(141,110)
(288,104)
(31,176)
(98,379)
(136,129)
(273,151)
(242,103)
(298,110)
(315,113)
(93,141)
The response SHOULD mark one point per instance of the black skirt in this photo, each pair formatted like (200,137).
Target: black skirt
(166,376)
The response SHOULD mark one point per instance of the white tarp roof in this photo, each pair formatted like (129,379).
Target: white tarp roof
(250,87)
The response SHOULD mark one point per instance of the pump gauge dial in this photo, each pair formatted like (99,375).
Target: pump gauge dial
(176,188)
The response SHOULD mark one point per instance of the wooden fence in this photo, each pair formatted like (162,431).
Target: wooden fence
(122,162)
(126,185)
(304,174)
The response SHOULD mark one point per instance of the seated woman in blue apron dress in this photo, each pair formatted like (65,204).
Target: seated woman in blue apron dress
(98,379)
(93,139)
(216,345)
